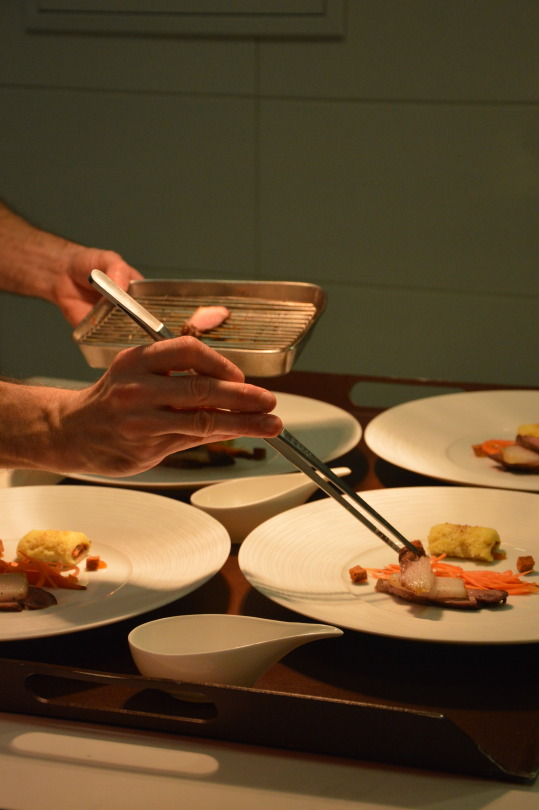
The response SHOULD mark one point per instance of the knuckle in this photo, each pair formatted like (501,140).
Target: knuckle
(201,388)
(126,394)
(190,343)
(203,423)
(127,358)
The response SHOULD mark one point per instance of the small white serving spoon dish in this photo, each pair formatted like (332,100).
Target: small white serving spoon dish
(244,503)
(218,648)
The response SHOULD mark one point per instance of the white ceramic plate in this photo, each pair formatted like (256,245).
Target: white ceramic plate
(156,549)
(434,436)
(325,429)
(301,559)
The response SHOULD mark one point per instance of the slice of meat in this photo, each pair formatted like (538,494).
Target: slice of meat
(518,457)
(34,599)
(406,557)
(416,569)
(11,606)
(38,598)
(204,319)
(531,442)
(477,598)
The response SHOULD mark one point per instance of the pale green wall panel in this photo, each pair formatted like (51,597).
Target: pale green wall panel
(416,195)
(426,333)
(444,50)
(167,181)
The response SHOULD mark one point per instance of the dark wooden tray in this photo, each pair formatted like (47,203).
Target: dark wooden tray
(471,710)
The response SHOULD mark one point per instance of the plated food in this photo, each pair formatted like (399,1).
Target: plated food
(418,580)
(519,455)
(427,580)
(45,559)
(214,454)
(302,558)
(156,550)
(434,436)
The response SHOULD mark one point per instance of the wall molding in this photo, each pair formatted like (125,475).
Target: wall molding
(189,18)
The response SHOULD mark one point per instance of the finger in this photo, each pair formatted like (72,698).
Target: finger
(183,354)
(199,425)
(198,391)
(207,423)
(122,274)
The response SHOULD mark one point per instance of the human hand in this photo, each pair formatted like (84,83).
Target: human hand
(137,413)
(72,292)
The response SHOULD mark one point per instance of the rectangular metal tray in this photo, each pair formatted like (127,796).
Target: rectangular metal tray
(268,326)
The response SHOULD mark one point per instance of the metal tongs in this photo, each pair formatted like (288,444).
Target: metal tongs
(285,443)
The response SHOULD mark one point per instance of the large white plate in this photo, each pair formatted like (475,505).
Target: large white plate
(326,430)
(301,558)
(434,436)
(156,549)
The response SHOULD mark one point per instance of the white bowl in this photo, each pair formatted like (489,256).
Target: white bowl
(244,503)
(217,648)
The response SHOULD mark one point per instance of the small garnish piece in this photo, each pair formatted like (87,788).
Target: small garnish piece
(525,565)
(94,563)
(358,574)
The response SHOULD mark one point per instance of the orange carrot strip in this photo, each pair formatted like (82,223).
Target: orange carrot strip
(493,446)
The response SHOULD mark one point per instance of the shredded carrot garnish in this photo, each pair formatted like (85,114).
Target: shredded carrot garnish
(45,574)
(500,580)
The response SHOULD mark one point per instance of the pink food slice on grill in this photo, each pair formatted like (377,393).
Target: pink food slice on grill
(204,319)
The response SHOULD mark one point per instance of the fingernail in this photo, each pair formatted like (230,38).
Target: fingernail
(270,423)
(268,400)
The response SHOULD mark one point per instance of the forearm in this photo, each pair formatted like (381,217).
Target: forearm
(31,260)
(30,420)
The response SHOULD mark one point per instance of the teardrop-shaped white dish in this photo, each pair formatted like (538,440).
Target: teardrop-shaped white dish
(218,648)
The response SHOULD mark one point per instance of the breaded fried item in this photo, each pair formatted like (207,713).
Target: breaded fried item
(528,430)
(466,542)
(53,545)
